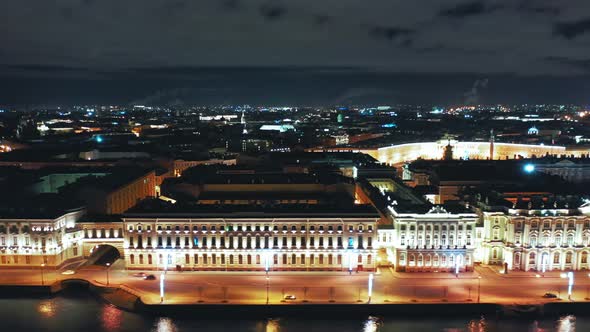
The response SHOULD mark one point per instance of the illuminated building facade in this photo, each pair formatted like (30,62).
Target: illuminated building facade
(538,240)
(33,242)
(402,153)
(283,243)
(434,241)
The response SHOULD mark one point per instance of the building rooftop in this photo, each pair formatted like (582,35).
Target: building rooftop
(45,206)
(155,208)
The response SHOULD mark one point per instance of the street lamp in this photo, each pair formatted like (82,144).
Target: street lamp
(478,288)
(370,286)
(108,265)
(267,287)
(162,276)
(42,276)
(570,283)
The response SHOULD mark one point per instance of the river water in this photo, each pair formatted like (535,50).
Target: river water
(85,313)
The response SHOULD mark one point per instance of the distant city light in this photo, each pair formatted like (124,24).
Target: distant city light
(529,168)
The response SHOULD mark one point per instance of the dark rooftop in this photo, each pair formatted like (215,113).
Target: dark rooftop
(156,207)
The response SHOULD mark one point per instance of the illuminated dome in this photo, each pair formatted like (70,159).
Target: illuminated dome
(533,131)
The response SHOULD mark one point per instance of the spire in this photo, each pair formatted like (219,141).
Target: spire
(492,144)
(243,122)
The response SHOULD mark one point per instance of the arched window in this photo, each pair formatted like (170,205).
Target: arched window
(132,258)
(556,258)
(584,257)
(568,257)
(533,240)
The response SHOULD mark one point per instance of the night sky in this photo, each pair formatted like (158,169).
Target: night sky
(304,51)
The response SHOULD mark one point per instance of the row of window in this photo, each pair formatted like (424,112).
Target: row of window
(250,242)
(102,233)
(558,224)
(433,260)
(27,241)
(16,259)
(547,240)
(435,241)
(436,227)
(250,228)
(556,258)
(214,259)
(14,229)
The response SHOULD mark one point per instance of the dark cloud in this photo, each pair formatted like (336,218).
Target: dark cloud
(192,41)
(272,11)
(391,33)
(467,9)
(571,30)
(582,64)
(321,19)
(66,13)
(231,4)
(172,7)
(43,68)
(532,7)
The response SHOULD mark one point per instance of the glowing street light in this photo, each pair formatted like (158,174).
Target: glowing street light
(570,283)
(478,288)
(529,168)
(162,276)
(370,291)
(108,265)
(42,276)
(267,287)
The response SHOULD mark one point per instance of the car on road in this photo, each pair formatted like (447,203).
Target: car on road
(149,277)
(68,272)
(289,297)
(140,275)
(549,296)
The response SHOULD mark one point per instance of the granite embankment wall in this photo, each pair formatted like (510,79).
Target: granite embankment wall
(127,299)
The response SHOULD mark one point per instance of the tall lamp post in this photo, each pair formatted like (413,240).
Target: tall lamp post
(108,265)
(162,276)
(42,276)
(478,288)
(570,283)
(266,269)
(370,290)
(267,287)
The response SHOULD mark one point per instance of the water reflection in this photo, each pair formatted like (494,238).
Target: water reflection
(111,318)
(566,324)
(273,325)
(47,308)
(164,325)
(372,324)
(477,325)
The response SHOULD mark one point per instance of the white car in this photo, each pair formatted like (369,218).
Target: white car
(140,275)
(68,272)
(290,297)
